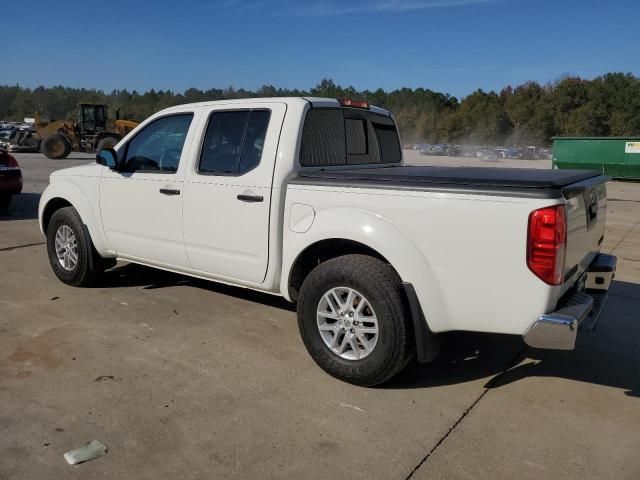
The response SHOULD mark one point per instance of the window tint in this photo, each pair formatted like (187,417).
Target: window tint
(323,138)
(335,136)
(362,143)
(157,148)
(356,130)
(388,140)
(233,142)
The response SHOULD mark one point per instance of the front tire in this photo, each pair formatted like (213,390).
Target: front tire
(56,147)
(70,249)
(353,320)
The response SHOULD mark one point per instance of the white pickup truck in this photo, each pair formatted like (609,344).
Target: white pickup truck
(309,198)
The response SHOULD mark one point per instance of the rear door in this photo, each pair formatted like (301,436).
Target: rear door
(227,192)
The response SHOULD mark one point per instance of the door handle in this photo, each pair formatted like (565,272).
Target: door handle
(250,198)
(169,191)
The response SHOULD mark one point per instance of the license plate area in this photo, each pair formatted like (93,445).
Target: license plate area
(598,280)
(600,273)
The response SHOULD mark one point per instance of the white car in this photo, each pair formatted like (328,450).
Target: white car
(308,198)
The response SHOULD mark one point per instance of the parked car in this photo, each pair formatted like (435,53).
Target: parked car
(425,149)
(10,178)
(6,132)
(452,150)
(511,153)
(528,153)
(271,194)
(545,153)
(20,139)
(439,150)
(467,151)
(487,155)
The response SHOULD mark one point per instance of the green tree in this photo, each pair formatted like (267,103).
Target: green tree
(524,114)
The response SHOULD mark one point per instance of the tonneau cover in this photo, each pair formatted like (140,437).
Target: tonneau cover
(488,180)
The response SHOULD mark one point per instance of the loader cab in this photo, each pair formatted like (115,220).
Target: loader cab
(92,119)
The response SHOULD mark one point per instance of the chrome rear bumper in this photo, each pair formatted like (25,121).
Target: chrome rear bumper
(579,308)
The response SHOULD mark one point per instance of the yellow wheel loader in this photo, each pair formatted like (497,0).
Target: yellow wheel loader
(89,133)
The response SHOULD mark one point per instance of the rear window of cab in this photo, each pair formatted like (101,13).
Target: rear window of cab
(348,136)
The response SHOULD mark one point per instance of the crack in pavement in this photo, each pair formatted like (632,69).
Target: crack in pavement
(625,236)
(6,249)
(488,387)
(622,200)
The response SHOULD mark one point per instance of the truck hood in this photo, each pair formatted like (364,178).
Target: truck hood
(88,170)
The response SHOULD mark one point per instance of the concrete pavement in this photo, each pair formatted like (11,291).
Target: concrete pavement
(184,378)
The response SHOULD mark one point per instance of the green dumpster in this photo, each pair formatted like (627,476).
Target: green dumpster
(618,157)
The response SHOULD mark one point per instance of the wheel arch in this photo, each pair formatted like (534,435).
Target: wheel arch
(321,251)
(341,231)
(50,208)
(426,344)
(65,193)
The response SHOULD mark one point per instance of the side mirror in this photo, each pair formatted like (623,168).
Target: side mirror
(107,157)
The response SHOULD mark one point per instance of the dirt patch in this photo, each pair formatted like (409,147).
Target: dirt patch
(37,353)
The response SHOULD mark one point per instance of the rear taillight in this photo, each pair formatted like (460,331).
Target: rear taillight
(547,243)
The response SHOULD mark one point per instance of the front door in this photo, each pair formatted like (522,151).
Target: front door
(227,196)
(141,204)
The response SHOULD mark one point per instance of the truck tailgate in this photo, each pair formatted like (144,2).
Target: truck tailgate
(586,207)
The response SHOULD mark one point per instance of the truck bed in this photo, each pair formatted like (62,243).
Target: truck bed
(520,182)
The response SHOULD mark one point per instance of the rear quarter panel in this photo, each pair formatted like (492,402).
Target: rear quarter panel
(464,254)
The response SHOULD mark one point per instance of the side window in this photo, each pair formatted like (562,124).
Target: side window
(158,147)
(388,140)
(323,138)
(233,142)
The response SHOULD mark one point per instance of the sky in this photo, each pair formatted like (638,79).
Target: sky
(450,46)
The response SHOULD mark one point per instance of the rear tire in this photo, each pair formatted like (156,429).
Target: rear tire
(374,283)
(70,250)
(107,142)
(56,146)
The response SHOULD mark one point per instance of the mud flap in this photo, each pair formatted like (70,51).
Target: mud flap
(427,343)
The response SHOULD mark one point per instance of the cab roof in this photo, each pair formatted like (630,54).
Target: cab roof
(314,101)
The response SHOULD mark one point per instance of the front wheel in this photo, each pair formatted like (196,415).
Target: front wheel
(353,319)
(69,249)
(56,146)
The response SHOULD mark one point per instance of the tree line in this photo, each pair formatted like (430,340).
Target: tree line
(528,114)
